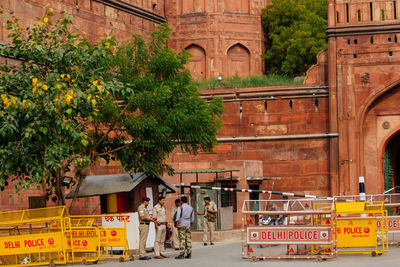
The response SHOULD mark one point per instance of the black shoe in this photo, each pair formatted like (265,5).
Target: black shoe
(145,258)
(177,249)
(188,256)
(181,256)
(205,244)
(212,244)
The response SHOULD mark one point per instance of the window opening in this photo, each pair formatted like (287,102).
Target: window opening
(371,12)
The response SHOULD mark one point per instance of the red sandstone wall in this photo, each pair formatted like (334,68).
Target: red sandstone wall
(215,27)
(302,164)
(92,18)
(364,64)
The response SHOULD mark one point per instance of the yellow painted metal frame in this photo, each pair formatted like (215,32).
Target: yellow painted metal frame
(92,246)
(376,208)
(47,216)
(106,244)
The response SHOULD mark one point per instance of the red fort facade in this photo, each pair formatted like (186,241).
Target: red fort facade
(316,138)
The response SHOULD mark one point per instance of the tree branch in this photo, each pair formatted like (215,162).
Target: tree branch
(115,150)
(111,127)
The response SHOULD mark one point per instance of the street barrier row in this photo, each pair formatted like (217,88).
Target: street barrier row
(51,236)
(316,228)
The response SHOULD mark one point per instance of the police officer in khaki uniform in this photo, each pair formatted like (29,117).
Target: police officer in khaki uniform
(144,222)
(210,216)
(175,231)
(160,221)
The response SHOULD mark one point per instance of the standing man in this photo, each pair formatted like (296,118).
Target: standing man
(144,220)
(184,219)
(175,231)
(160,221)
(210,216)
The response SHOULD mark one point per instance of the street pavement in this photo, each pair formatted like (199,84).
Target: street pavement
(228,254)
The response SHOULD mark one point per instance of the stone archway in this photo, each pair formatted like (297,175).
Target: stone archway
(197,63)
(391,163)
(380,138)
(238,61)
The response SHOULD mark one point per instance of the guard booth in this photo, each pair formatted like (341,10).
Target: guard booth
(287,229)
(122,192)
(226,201)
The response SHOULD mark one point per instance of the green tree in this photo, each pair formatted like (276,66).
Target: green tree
(296,34)
(68,103)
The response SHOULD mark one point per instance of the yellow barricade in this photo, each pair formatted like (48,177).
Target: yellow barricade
(21,240)
(50,236)
(110,238)
(356,227)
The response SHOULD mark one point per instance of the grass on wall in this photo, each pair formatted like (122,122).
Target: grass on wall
(251,81)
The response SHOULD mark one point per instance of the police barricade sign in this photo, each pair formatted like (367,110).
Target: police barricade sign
(321,235)
(85,244)
(356,232)
(35,243)
(393,224)
(113,237)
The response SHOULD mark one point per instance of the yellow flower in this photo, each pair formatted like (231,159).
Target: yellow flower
(45,87)
(62,76)
(31,45)
(68,76)
(51,9)
(56,110)
(34,81)
(34,89)
(68,99)
(94,102)
(5,100)
(89,97)
(95,83)
(41,24)
(100,88)
(46,19)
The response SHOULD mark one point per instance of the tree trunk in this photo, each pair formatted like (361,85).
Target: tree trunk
(59,191)
(78,186)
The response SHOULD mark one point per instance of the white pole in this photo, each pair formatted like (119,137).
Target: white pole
(361,186)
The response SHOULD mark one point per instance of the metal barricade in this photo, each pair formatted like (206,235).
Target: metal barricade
(50,236)
(23,243)
(111,239)
(356,227)
(282,229)
(391,204)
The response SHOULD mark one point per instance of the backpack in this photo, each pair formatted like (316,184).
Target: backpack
(211,217)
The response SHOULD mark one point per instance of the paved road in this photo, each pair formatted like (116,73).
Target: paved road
(229,255)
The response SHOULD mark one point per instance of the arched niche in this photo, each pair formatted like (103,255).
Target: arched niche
(197,62)
(380,138)
(238,61)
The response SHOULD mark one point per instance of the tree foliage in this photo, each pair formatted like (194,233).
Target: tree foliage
(68,103)
(296,33)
